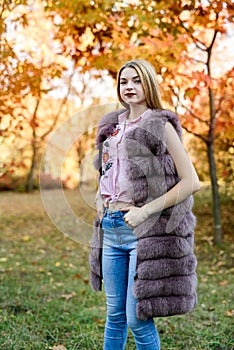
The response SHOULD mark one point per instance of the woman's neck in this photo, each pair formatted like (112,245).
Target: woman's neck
(136,111)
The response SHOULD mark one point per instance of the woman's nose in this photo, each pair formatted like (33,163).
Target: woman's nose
(129,85)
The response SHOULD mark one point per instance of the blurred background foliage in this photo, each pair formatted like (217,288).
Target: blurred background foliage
(61,57)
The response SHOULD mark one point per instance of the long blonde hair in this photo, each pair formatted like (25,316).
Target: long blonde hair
(148,77)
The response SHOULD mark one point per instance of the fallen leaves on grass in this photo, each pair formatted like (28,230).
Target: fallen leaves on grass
(204,279)
(25,238)
(98,320)
(230,313)
(211,308)
(78,276)
(33,253)
(68,296)
(223,283)
(59,347)
(3,259)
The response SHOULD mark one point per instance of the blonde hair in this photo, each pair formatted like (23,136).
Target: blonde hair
(148,77)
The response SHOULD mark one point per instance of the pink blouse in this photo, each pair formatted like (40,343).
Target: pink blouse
(114,185)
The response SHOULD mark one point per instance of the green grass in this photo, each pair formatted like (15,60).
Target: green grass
(46,300)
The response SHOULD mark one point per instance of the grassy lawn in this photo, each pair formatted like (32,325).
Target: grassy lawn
(45,297)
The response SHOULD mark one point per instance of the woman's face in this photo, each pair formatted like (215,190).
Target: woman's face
(131,89)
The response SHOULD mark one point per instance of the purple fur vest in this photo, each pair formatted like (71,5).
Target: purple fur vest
(165,282)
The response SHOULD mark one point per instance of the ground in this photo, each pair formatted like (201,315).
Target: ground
(46,300)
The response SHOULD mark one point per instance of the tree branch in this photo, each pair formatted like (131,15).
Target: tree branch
(209,48)
(199,44)
(196,60)
(187,108)
(193,114)
(59,111)
(195,134)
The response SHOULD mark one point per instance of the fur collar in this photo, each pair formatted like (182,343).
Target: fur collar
(108,123)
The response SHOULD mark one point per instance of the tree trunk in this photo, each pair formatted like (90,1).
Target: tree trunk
(217,231)
(217,226)
(30,178)
(33,124)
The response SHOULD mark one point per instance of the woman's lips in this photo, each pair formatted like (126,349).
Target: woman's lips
(130,94)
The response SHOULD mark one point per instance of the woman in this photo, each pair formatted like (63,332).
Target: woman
(144,205)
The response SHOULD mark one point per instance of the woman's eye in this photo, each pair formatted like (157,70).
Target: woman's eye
(138,81)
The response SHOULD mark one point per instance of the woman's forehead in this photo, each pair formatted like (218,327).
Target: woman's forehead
(128,72)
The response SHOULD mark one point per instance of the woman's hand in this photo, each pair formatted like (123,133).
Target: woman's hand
(135,216)
(100,205)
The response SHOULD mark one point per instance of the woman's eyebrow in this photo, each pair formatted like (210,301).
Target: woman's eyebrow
(137,76)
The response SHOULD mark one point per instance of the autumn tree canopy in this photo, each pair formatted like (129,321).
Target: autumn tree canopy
(176,36)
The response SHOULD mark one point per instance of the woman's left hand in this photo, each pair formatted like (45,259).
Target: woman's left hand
(135,216)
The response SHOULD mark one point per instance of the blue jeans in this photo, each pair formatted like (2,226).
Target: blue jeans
(119,266)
